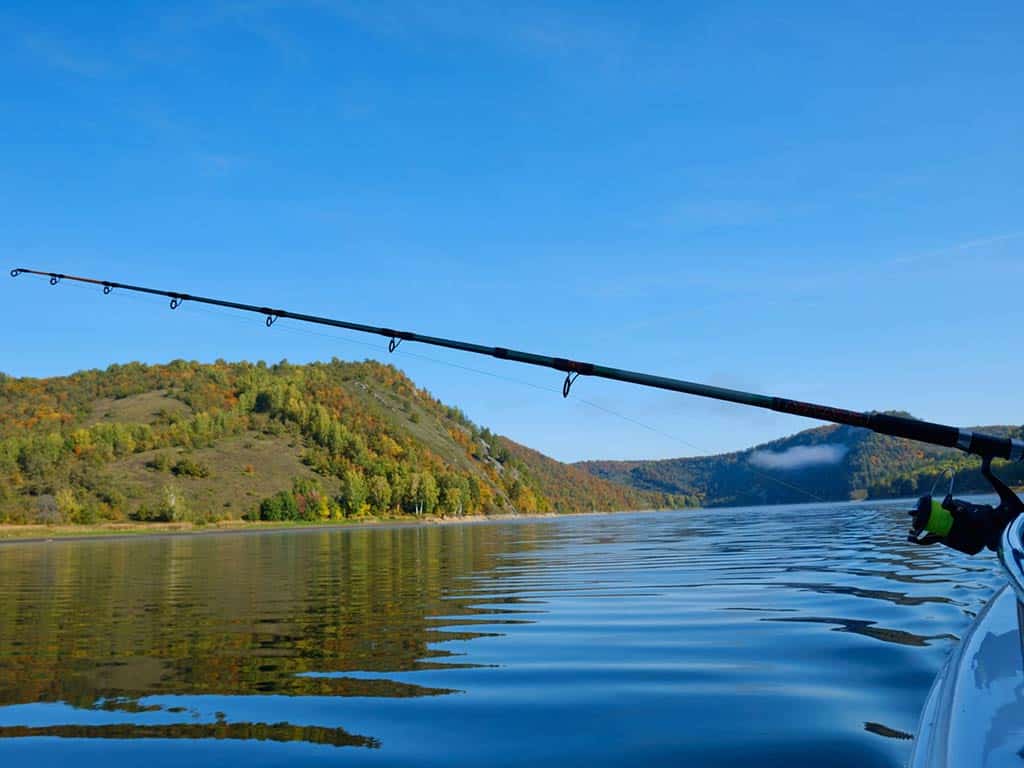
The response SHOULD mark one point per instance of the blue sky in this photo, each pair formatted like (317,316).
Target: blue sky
(816,200)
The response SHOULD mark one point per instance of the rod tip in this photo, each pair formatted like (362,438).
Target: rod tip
(15,272)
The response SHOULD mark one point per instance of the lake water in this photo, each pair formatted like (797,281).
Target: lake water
(787,636)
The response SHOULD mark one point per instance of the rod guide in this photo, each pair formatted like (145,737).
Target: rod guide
(977,443)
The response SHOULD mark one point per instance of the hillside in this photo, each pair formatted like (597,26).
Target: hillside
(831,462)
(189,441)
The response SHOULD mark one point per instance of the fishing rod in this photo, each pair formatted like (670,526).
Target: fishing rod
(977,443)
(986,446)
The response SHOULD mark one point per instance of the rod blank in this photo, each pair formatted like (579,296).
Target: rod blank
(986,446)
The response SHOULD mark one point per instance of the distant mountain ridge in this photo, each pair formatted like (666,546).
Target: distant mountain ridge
(833,463)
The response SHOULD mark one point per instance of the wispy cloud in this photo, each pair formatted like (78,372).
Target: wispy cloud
(542,31)
(959,248)
(62,56)
(804,284)
(800,456)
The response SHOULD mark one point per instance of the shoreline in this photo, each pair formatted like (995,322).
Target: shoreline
(41,534)
(36,533)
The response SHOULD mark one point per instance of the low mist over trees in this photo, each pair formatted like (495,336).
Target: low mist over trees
(835,463)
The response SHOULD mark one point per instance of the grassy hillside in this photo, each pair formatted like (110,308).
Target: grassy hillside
(188,441)
(831,462)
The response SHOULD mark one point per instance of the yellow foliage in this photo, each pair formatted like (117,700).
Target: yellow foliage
(525,501)
(486,498)
(81,441)
(67,504)
(323,508)
(389,447)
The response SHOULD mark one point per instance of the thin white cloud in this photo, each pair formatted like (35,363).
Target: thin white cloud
(799,456)
(957,248)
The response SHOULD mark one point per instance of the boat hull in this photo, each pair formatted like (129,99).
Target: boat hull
(974,714)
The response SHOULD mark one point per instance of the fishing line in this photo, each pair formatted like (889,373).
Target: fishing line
(550,390)
(984,445)
(232,314)
(961,525)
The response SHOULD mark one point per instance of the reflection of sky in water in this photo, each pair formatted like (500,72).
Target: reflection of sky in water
(715,637)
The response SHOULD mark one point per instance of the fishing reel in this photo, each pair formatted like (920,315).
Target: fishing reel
(963,525)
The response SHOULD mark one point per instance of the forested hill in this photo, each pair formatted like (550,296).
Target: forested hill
(189,441)
(832,462)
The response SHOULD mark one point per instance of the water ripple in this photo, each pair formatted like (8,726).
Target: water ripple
(772,636)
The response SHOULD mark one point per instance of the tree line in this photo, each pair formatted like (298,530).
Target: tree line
(382,446)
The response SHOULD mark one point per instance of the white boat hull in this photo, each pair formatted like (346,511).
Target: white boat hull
(974,714)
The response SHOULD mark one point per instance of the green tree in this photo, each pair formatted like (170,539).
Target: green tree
(427,493)
(379,493)
(280,506)
(454,494)
(173,507)
(187,467)
(307,495)
(353,493)
(68,507)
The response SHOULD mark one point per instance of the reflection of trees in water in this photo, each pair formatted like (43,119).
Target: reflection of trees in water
(890,733)
(867,629)
(896,598)
(335,737)
(102,624)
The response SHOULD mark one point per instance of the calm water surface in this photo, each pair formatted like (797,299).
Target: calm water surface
(782,636)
